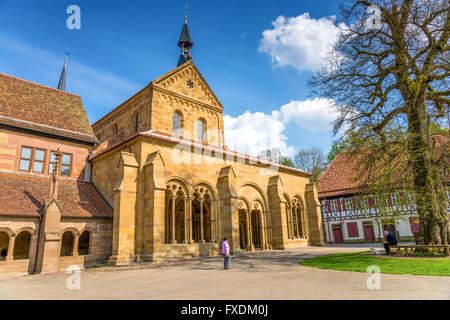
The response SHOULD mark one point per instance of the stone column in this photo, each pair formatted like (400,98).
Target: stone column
(214,237)
(247,231)
(75,245)
(125,199)
(156,207)
(173,201)
(186,220)
(191,239)
(314,215)
(296,222)
(202,220)
(269,230)
(10,253)
(229,214)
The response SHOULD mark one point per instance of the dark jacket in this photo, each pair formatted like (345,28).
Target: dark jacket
(391,239)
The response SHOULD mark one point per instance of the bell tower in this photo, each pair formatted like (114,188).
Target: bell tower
(185,42)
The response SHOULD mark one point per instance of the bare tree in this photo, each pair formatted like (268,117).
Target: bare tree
(389,75)
(312,160)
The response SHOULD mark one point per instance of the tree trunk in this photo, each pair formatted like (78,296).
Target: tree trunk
(428,186)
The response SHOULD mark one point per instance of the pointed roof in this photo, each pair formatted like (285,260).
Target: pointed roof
(62,79)
(185,38)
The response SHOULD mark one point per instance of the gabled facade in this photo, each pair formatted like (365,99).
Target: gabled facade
(177,190)
(40,126)
(351,215)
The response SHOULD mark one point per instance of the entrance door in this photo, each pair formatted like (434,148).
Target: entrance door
(337,232)
(369,235)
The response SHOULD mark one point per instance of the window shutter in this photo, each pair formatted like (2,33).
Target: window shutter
(352,229)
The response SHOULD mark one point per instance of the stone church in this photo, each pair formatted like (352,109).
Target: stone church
(151,180)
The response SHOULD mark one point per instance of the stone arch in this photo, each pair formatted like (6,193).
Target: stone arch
(208,188)
(263,195)
(300,220)
(8,231)
(31,230)
(176,184)
(177,191)
(73,230)
(22,244)
(257,214)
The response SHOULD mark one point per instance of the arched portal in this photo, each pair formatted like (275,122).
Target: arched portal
(256,226)
(67,241)
(83,243)
(243,226)
(22,245)
(4,243)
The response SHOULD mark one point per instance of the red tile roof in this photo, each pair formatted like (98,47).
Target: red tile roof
(24,195)
(164,136)
(340,178)
(33,106)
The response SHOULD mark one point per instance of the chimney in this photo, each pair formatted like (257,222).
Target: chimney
(54,180)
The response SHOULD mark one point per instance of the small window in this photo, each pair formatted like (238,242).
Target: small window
(25,159)
(39,159)
(136,123)
(176,123)
(52,162)
(201,133)
(334,205)
(349,203)
(66,164)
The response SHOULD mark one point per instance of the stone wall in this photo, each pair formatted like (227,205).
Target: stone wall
(10,151)
(99,244)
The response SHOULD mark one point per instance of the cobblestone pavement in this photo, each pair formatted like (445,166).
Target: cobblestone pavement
(255,275)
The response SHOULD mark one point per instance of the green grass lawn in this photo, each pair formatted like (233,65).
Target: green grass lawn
(359,262)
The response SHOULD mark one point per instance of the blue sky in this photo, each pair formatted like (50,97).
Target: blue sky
(123,45)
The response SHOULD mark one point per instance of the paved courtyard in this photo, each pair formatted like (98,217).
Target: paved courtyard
(258,275)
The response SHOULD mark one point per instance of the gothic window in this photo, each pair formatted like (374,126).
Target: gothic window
(201,130)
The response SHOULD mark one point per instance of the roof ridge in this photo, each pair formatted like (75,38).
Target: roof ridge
(39,85)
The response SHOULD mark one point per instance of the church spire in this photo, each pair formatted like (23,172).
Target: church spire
(185,42)
(62,79)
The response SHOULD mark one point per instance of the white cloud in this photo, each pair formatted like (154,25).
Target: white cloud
(300,42)
(314,115)
(251,133)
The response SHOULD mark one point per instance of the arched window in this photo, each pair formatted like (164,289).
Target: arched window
(67,244)
(4,242)
(83,244)
(201,130)
(177,123)
(22,245)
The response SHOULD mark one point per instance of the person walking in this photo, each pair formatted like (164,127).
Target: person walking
(226,254)
(390,240)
